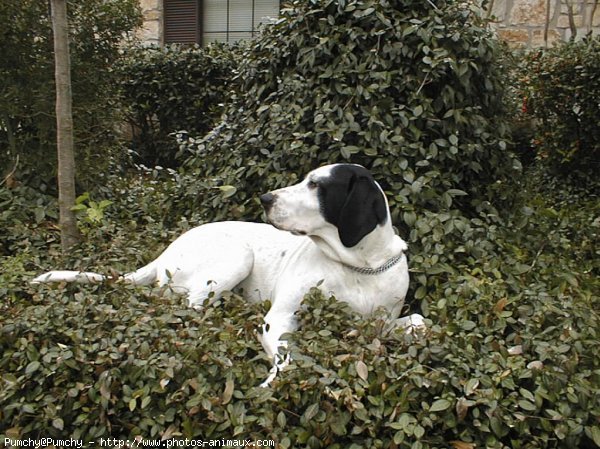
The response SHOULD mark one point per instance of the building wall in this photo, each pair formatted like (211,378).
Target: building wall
(151,31)
(522,23)
(528,23)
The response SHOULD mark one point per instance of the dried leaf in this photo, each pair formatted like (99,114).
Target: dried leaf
(500,305)
(362,370)
(515,350)
(228,392)
(462,407)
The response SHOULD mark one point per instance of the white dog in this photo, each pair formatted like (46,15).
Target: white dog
(339,234)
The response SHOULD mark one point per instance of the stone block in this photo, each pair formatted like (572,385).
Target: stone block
(150,31)
(563,21)
(537,38)
(596,18)
(152,15)
(516,38)
(147,5)
(530,12)
(499,10)
(577,8)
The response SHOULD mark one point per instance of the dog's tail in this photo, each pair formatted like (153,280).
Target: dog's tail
(81,277)
(144,276)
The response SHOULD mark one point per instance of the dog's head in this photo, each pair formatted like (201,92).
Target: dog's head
(342,195)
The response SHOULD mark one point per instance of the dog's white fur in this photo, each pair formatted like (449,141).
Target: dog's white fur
(269,263)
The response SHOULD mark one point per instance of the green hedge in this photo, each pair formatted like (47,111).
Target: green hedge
(561,86)
(170,89)
(98,31)
(502,365)
(509,359)
(409,89)
(413,91)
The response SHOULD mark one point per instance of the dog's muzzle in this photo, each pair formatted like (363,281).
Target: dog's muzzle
(267,200)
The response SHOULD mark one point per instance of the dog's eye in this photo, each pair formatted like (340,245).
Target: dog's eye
(312,185)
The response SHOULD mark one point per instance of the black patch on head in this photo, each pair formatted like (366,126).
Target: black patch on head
(351,201)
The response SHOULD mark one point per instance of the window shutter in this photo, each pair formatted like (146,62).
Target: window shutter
(182,21)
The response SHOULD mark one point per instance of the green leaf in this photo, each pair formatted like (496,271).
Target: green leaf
(419,432)
(457,192)
(281,420)
(497,426)
(82,198)
(146,401)
(410,218)
(471,386)
(521,268)
(594,432)
(345,153)
(468,325)
(311,412)
(368,11)
(78,208)
(404,421)
(40,214)
(32,367)
(440,405)
(28,408)
(526,405)
(527,394)
(421,292)
(228,191)
(58,423)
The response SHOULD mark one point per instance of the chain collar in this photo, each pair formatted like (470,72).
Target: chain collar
(374,271)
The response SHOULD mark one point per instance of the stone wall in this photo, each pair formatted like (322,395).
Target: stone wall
(151,31)
(530,23)
(522,23)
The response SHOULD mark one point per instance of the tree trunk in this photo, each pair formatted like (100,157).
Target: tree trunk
(64,126)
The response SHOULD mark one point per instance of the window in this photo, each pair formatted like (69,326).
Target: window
(204,21)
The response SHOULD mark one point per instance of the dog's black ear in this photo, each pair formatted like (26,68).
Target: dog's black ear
(363,209)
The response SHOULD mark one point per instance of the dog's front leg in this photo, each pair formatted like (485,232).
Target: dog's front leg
(280,361)
(276,324)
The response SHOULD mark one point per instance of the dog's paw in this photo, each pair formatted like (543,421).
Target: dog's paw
(270,378)
(412,324)
(279,364)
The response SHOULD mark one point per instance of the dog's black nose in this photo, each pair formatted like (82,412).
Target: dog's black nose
(267,200)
